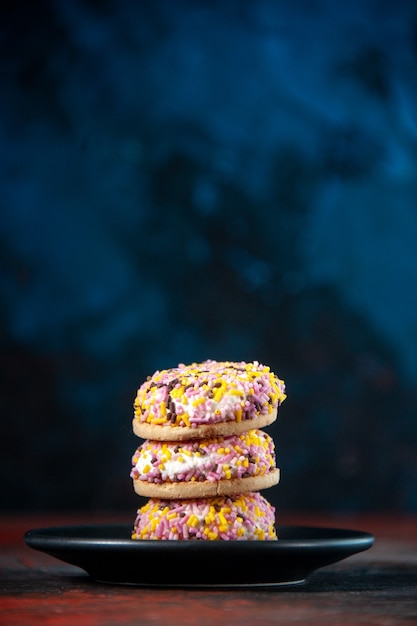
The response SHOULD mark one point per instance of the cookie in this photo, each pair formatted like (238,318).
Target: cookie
(247,517)
(207,399)
(205,468)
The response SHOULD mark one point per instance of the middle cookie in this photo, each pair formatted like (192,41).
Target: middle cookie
(205,467)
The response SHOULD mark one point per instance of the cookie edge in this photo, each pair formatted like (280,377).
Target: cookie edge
(206,489)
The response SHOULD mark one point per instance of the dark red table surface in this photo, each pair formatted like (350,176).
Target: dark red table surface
(376,587)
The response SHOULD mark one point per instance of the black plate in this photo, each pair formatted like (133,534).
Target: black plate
(107,554)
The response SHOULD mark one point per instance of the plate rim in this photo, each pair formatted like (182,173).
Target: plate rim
(114,560)
(54,535)
(104,525)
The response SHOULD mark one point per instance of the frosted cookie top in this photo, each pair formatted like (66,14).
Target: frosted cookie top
(208,393)
(242,517)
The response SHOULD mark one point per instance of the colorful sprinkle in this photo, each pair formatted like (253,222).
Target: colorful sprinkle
(244,517)
(207,393)
(249,454)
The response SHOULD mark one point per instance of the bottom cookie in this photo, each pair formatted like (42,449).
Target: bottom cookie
(247,517)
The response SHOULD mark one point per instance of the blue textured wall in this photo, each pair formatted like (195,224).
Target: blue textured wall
(187,180)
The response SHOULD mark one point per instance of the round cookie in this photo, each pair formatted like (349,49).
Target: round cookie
(243,517)
(205,468)
(207,399)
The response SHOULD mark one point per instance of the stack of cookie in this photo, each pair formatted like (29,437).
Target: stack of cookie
(205,458)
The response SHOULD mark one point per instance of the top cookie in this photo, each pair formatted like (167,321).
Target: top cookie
(207,399)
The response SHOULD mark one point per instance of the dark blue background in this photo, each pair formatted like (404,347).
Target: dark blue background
(184,180)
